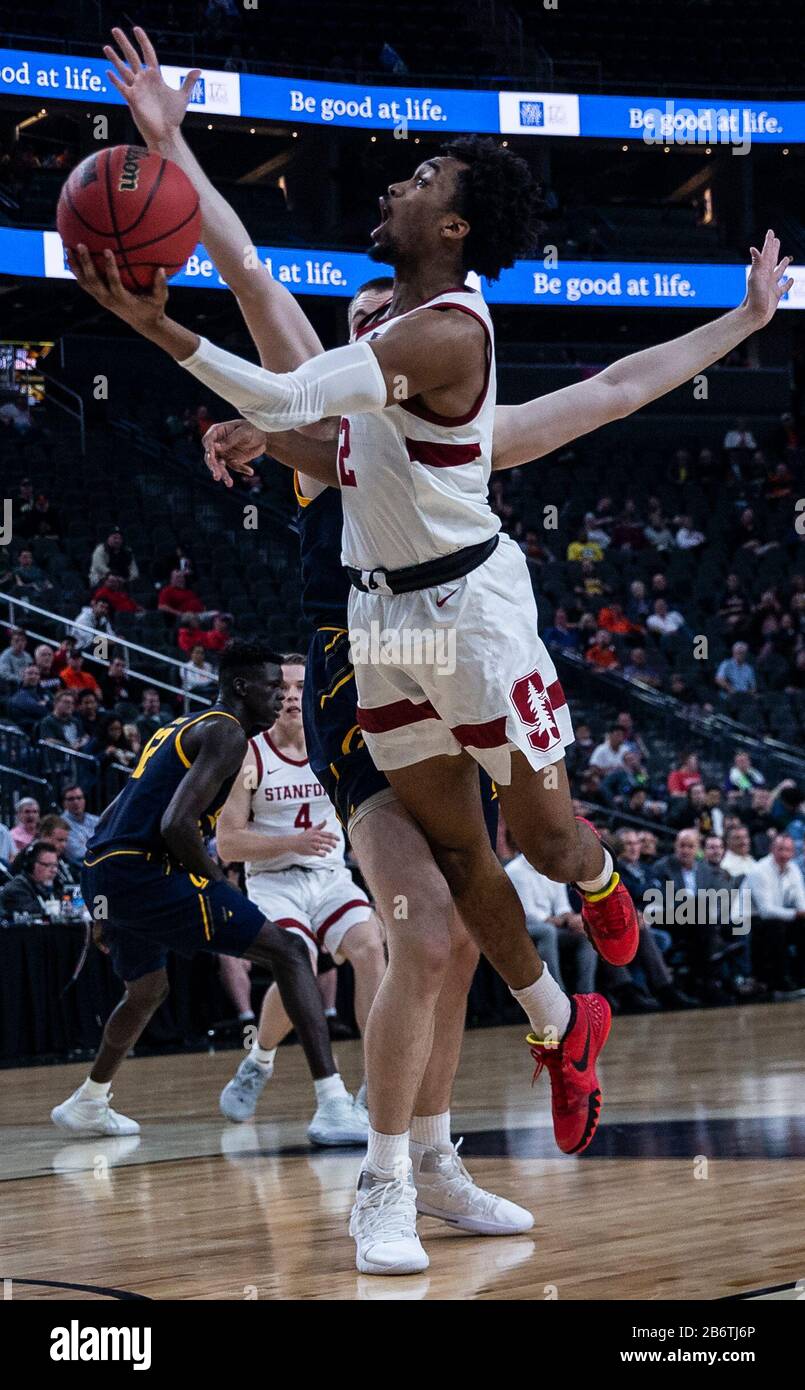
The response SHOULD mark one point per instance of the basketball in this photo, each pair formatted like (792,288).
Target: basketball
(135,203)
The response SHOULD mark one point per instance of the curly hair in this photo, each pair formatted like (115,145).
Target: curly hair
(500,198)
(242,658)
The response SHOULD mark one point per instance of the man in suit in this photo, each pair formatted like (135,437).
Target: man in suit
(698,909)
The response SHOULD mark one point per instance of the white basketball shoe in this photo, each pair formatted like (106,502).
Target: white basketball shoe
(80,1115)
(446,1190)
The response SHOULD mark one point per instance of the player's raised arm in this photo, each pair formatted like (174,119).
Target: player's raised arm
(529,431)
(280,329)
(216,748)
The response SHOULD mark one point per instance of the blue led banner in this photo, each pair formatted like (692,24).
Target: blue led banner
(620,284)
(699,120)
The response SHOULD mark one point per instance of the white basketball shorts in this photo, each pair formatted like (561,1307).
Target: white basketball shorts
(320,905)
(461,666)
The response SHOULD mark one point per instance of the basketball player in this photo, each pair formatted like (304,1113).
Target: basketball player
(148,878)
(280,824)
(566,418)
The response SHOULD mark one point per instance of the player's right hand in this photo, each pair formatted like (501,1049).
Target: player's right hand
(98,937)
(317,840)
(158,109)
(232,445)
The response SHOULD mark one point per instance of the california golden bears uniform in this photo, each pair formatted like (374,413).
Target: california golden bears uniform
(147,902)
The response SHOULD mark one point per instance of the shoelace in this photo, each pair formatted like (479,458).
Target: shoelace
(553,1061)
(458,1178)
(378,1211)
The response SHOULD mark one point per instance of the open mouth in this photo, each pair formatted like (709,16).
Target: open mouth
(385,213)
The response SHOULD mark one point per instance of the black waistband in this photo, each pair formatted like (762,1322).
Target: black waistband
(427,576)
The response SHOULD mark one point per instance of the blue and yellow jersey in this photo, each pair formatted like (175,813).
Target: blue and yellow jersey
(133,820)
(325,586)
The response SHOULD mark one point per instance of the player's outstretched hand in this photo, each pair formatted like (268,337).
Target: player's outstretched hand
(231,446)
(158,109)
(767,283)
(144,311)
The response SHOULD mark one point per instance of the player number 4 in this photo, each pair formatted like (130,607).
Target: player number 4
(346,475)
(303,821)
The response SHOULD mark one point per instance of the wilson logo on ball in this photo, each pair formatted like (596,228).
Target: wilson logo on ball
(130,173)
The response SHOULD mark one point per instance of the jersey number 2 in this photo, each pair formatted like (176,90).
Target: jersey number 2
(346,475)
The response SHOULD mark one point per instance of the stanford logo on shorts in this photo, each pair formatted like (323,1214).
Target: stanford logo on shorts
(533,705)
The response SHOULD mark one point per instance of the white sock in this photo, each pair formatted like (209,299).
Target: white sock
(431,1131)
(594,885)
(387,1154)
(546,1005)
(331,1013)
(329,1088)
(246,1016)
(95,1090)
(263,1056)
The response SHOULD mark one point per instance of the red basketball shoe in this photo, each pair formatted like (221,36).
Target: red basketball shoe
(610,918)
(575,1092)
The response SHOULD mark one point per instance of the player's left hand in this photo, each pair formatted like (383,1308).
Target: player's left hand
(158,109)
(98,937)
(144,311)
(766,285)
(232,445)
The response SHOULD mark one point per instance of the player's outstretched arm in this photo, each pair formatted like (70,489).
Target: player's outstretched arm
(529,431)
(216,749)
(281,331)
(231,447)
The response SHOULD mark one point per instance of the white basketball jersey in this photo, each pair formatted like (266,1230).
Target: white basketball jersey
(413,483)
(287,800)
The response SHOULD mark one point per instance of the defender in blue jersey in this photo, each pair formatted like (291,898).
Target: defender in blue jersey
(152,886)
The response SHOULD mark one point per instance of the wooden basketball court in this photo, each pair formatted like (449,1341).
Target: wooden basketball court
(692,1189)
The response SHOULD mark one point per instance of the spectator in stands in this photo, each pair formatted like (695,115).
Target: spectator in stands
(42,521)
(772,668)
(648,846)
(14,660)
(596,532)
(113,591)
(132,734)
(117,687)
(165,564)
(31,888)
(94,614)
(642,667)
(679,689)
(778,902)
(49,680)
(76,678)
(742,776)
(640,879)
(685,775)
(22,504)
(748,535)
(590,586)
(62,654)
(613,619)
(189,633)
(55,831)
(619,784)
(112,745)
(664,621)
(62,728)
(628,532)
(178,598)
(26,823)
(553,925)
(735,676)
(738,436)
(112,557)
(601,653)
(80,821)
(29,704)
(637,875)
(738,858)
(637,607)
(634,743)
(89,718)
(657,531)
(151,717)
(610,752)
(688,537)
(734,609)
(696,922)
(582,548)
(198,676)
(30,580)
(579,751)
(698,809)
(6,846)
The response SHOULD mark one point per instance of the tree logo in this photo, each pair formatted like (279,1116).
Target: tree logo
(533,705)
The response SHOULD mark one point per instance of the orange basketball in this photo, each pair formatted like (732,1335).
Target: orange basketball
(135,203)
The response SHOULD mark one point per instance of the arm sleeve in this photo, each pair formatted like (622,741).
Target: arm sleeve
(345,381)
